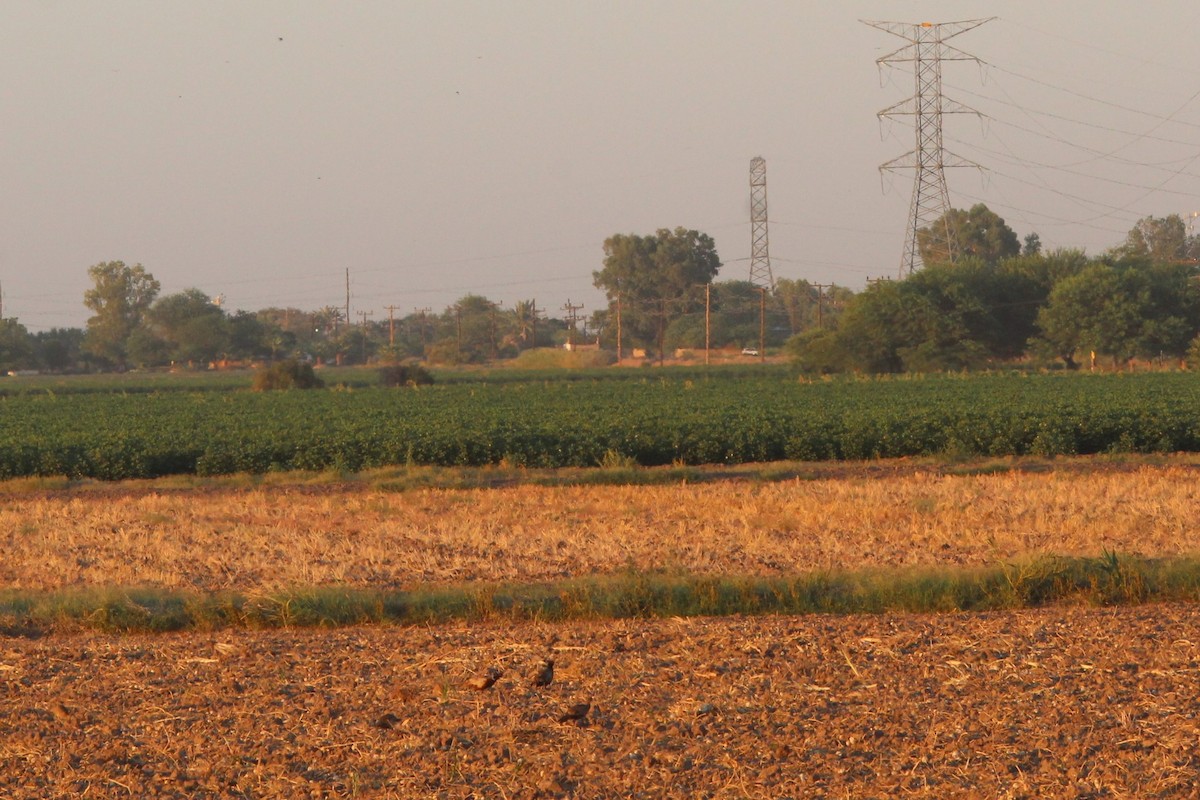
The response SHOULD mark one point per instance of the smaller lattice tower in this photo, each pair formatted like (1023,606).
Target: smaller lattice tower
(760,251)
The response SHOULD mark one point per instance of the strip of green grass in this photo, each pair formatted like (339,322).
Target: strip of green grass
(412,478)
(1107,580)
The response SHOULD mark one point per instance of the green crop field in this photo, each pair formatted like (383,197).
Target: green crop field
(730,416)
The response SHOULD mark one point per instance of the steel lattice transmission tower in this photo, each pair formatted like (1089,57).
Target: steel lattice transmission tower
(760,251)
(927,49)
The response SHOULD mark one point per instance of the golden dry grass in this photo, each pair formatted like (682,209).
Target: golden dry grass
(272,537)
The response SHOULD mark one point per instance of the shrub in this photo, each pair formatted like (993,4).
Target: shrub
(405,375)
(554,358)
(289,374)
(817,351)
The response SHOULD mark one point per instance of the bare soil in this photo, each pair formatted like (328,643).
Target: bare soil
(1068,702)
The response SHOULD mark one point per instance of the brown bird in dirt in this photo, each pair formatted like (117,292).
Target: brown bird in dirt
(387,721)
(545,674)
(485,680)
(576,712)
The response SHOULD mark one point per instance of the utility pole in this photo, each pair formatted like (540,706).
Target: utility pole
(363,315)
(533,314)
(760,255)
(391,326)
(927,50)
(572,318)
(662,328)
(424,329)
(821,287)
(495,350)
(347,295)
(618,324)
(707,322)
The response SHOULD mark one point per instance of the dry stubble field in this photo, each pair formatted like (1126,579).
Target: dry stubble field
(1062,702)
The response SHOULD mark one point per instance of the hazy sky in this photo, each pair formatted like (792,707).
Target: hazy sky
(259,149)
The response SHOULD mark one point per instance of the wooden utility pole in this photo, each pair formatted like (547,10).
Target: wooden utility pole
(572,318)
(347,295)
(618,326)
(662,329)
(364,315)
(391,326)
(821,287)
(424,331)
(495,350)
(533,313)
(707,321)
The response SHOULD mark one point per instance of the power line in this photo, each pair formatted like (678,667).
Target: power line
(1017,161)
(1045,132)
(1139,59)
(1119,106)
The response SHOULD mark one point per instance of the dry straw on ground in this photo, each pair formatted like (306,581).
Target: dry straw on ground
(269,538)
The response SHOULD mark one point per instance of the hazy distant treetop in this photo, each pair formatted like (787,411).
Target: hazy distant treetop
(979,233)
(1161,239)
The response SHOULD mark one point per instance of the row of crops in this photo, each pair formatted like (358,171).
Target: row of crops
(741,417)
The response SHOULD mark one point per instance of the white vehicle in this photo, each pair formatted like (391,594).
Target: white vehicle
(749,351)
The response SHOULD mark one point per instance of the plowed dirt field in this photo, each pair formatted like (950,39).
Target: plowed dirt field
(1074,702)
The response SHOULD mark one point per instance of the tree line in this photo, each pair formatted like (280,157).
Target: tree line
(1002,299)
(134,326)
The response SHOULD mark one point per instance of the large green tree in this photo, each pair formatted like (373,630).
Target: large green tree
(1162,240)
(1045,270)
(654,277)
(944,317)
(470,331)
(16,346)
(979,233)
(192,326)
(119,299)
(1121,312)
(251,339)
(59,349)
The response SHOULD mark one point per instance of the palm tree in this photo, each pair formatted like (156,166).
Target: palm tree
(524,316)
